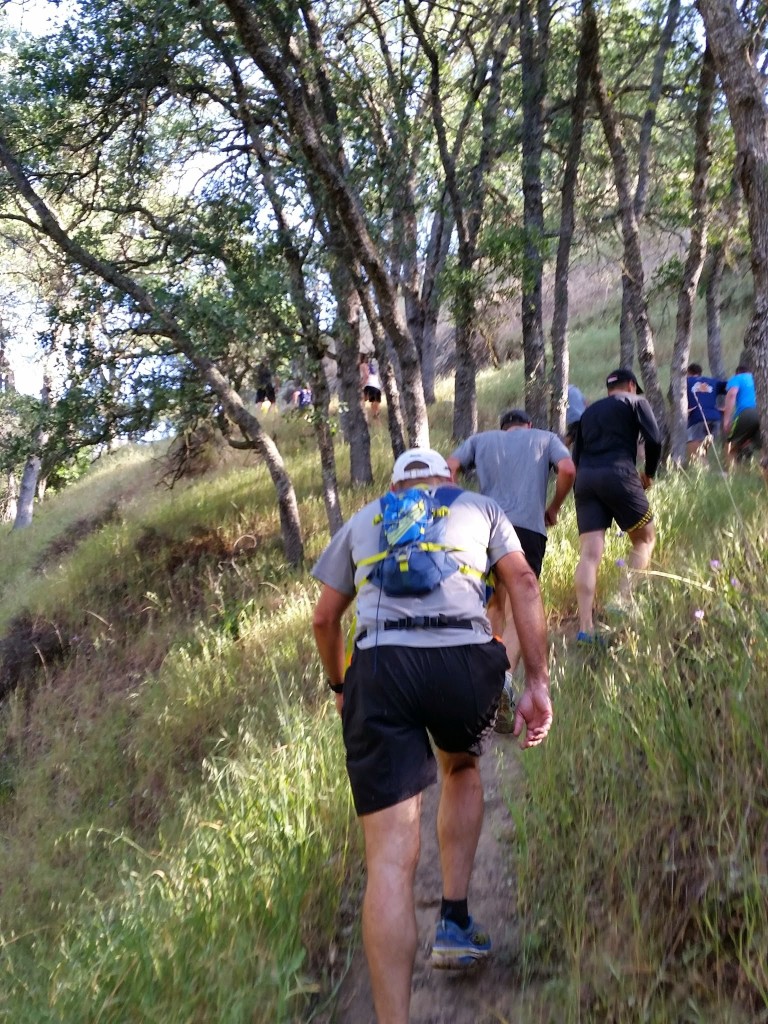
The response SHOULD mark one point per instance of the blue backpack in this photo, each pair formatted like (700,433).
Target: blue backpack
(413,558)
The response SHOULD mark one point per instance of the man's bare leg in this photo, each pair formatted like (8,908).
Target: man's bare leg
(459,821)
(591,546)
(643,542)
(389,917)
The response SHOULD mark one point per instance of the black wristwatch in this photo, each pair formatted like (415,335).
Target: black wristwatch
(336,687)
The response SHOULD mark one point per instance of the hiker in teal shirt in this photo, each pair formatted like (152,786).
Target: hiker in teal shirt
(741,422)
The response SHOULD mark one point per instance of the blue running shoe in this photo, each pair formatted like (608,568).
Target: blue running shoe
(457,948)
(589,639)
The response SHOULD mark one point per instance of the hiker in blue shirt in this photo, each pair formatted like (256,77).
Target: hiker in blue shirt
(704,414)
(302,398)
(577,403)
(741,422)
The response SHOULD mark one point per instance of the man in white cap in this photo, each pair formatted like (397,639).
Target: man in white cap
(424,666)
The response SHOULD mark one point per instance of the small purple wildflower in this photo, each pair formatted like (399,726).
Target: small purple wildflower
(715,564)
(698,614)
(735,583)
(620,562)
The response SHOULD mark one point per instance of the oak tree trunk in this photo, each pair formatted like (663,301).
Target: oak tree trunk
(560,352)
(697,248)
(744,89)
(633,259)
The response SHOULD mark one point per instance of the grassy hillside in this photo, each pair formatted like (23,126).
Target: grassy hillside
(177,836)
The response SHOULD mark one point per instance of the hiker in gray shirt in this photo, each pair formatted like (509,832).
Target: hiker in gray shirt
(513,466)
(424,667)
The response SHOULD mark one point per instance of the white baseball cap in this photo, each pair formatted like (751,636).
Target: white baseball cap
(417,463)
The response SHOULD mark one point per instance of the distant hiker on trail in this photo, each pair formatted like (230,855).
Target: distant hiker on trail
(704,414)
(265,387)
(424,662)
(301,398)
(741,422)
(370,382)
(577,403)
(608,486)
(513,466)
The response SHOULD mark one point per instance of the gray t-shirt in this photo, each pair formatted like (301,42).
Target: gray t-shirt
(576,405)
(479,532)
(513,468)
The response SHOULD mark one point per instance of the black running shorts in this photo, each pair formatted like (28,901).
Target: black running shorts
(606,493)
(746,427)
(394,696)
(534,546)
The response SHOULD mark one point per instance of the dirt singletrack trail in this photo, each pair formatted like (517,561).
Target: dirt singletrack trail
(486,994)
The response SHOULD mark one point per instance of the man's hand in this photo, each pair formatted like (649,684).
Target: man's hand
(455,467)
(534,712)
(646,481)
(339,702)
(550,515)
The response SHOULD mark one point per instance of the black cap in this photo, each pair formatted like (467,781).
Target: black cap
(622,376)
(514,418)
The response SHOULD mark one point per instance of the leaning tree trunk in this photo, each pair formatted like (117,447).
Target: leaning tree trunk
(327,163)
(419,279)
(633,258)
(304,306)
(31,474)
(627,322)
(560,352)
(27,490)
(265,447)
(534,47)
(744,89)
(166,325)
(695,261)
(422,302)
(627,336)
(348,313)
(437,254)
(465,382)
(714,279)
(321,424)
(714,302)
(385,356)
(388,377)
(467,201)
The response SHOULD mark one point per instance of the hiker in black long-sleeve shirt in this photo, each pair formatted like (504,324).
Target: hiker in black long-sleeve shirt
(609,487)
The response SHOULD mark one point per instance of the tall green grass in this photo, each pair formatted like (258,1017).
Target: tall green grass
(642,850)
(175,826)
(214,923)
(174,811)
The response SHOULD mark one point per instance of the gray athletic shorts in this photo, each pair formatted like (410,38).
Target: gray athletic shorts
(701,430)
(395,696)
